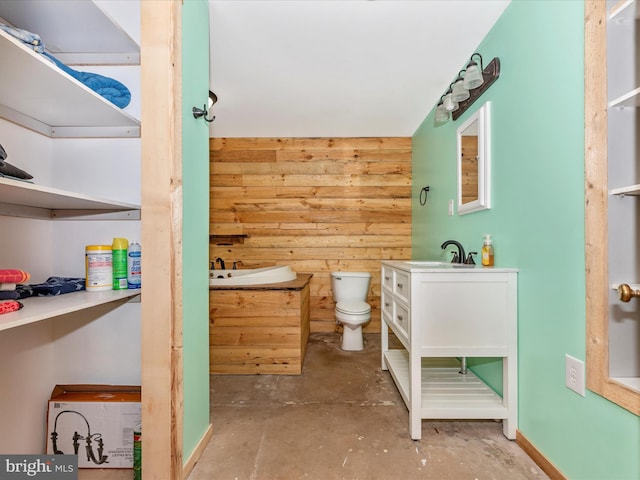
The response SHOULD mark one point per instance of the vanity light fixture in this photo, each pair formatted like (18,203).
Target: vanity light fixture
(442,116)
(460,92)
(204,111)
(473,73)
(449,104)
(469,84)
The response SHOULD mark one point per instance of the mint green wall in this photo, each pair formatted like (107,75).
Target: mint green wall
(537,222)
(195,247)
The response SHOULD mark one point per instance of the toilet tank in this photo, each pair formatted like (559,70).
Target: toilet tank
(350,286)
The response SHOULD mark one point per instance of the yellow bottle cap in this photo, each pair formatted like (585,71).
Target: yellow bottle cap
(120,244)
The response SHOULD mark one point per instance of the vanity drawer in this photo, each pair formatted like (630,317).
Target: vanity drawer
(401,284)
(386,303)
(401,317)
(387,277)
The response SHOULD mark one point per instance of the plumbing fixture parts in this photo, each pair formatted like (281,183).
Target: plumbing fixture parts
(91,456)
(463,365)
(221,262)
(460,256)
(626,293)
(469,260)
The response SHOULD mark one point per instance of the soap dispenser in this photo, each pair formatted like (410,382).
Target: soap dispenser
(487,251)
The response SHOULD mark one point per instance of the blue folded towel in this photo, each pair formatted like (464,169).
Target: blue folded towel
(29,39)
(111,89)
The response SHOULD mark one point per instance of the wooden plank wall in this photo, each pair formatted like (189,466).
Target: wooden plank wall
(317,204)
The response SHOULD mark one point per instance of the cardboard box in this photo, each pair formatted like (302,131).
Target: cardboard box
(100,418)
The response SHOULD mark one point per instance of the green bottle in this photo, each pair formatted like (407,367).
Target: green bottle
(119,262)
(137,453)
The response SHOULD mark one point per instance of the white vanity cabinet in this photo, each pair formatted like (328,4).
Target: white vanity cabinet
(84,153)
(440,315)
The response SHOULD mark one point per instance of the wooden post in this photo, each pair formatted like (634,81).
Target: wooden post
(161,240)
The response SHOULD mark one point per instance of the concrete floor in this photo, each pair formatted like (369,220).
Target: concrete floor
(343,419)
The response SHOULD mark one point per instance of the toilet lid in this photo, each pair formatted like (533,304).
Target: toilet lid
(353,308)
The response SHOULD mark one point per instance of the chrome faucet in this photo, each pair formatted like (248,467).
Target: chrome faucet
(458,257)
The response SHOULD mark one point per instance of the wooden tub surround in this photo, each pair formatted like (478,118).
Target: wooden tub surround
(259,328)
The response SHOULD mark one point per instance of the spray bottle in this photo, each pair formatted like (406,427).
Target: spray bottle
(134,265)
(119,252)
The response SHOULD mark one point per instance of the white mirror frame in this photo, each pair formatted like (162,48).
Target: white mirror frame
(484,161)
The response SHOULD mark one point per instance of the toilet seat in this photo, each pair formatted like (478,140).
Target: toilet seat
(353,308)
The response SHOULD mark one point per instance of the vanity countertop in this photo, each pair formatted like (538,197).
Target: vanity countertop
(443,267)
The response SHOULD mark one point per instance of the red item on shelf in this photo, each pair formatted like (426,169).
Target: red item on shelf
(10,306)
(13,276)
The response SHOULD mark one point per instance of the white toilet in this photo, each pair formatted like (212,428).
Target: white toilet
(350,290)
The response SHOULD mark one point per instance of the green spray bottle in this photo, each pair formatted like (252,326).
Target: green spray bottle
(119,262)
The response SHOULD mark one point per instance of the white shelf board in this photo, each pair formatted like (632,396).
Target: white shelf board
(628,190)
(446,394)
(624,10)
(40,308)
(15,194)
(74,108)
(72,29)
(631,382)
(629,99)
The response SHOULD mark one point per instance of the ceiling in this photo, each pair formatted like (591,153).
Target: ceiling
(338,68)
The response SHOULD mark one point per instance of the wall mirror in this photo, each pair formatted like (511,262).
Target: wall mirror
(474,162)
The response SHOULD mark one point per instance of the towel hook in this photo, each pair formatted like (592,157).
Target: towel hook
(423,195)
(204,111)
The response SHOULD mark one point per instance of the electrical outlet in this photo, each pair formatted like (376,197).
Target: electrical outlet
(574,374)
(450,207)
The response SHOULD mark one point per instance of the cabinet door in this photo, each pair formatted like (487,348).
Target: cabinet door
(470,319)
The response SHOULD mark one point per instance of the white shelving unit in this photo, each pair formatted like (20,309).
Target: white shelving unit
(421,306)
(445,393)
(65,107)
(57,105)
(623,92)
(76,142)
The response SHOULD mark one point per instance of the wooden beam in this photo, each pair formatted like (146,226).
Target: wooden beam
(161,237)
